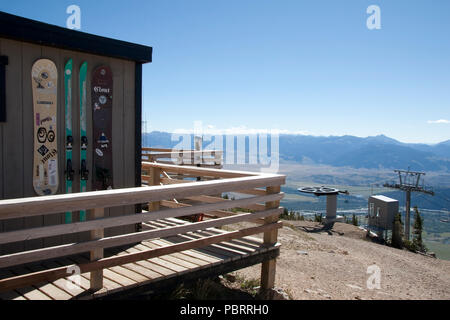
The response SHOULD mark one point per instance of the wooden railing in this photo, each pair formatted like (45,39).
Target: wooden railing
(171,200)
(201,158)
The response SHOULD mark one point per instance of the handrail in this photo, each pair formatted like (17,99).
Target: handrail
(48,231)
(164,151)
(27,207)
(199,171)
(173,154)
(203,158)
(115,241)
(203,197)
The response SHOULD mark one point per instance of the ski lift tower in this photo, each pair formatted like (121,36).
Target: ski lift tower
(331,194)
(409,182)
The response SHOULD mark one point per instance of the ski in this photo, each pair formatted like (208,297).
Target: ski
(102,94)
(84,173)
(69,138)
(44,79)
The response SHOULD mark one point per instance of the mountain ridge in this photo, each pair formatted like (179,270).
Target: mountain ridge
(378,151)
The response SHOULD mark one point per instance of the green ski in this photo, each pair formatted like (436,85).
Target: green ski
(69,138)
(84,173)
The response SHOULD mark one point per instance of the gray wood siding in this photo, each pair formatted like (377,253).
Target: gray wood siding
(2,194)
(16,134)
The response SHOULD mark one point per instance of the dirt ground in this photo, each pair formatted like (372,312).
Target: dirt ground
(316,264)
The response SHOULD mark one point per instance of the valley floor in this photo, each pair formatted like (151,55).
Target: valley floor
(316,264)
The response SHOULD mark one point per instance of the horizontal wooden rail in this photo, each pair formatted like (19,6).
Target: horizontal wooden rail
(203,165)
(60,272)
(202,158)
(146,149)
(166,184)
(210,199)
(198,171)
(33,206)
(169,180)
(177,152)
(174,204)
(73,248)
(174,181)
(35,233)
(184,154)
(256,192)
(212,214)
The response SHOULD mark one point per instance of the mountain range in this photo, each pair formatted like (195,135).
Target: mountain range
(347,151)
(371,152)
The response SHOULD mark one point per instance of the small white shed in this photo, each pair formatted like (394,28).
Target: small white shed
(382,211)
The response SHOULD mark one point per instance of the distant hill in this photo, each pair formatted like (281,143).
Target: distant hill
(441,149)
(370,152)
(347,151)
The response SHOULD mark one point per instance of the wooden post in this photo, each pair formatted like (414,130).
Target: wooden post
(218,159)
(96,279)
(155,179)
(198,146)
(198,159)
(270,238)
(180,160)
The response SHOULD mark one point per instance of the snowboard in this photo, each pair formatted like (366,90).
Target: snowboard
(84,172)
(69,138)
(102,94)
(44,79)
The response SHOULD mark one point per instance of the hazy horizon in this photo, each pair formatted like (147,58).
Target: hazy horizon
(281,132)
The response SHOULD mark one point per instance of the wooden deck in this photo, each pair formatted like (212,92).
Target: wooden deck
(162,250)
(147,275)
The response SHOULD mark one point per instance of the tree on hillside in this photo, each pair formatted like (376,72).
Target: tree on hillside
(397,232)
(354,220)
(347,220)
(285,214)
(417,233)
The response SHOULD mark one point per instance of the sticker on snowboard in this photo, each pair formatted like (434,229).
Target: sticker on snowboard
(44,80)
(101,94)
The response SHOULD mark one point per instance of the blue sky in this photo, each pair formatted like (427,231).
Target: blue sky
(301,66)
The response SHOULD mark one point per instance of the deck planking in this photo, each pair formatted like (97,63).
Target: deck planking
(140,273)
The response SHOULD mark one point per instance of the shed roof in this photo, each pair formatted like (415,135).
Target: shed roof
(23,29)
(384,198)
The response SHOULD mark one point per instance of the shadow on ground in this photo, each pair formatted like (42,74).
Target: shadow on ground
(208,289)
(320,228)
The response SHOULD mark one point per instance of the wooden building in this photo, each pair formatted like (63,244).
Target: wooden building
(22,42)
(117,252)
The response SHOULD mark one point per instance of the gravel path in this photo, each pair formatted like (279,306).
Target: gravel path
(321,265)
